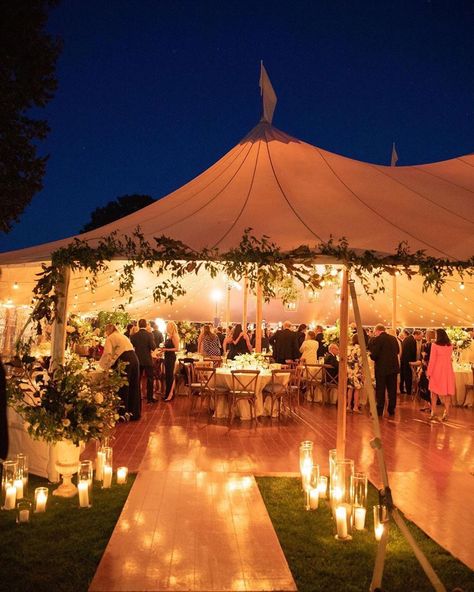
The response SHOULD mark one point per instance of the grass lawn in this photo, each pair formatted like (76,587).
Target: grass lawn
(60,549)
(319,562)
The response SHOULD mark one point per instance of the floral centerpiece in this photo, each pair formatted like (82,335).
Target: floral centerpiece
(332,334)
(460,339)
(188,333)
(81,334)
(70,403)
(254,361)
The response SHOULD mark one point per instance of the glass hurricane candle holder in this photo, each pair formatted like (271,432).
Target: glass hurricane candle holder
(122,474)
(23,512)
(9,490)
(41,498)
(84,483)
(306,462)
(341,489)
(380,517)
(22,460)
(312,491)
(323,487)
(359,489)
(332,462)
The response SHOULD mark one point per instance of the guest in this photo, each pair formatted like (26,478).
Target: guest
(144,344)
(331,359)
(384,351)
(239,343)
(309,349)
(285,344)
(322,348)
(157,334)
(227,339)
(221,335)
(265,340)
(171,346)
(408,355)
(423,384)
(301,334)
(129,328)
(440,373)
(3,414)
(119,348)
(355,379)
(208,342)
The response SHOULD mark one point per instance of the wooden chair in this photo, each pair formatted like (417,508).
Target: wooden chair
(294,385)
(216,361)
(330,382)
(313,377)
(203,386)
(468,387)
(185,375)
(278,389)
(415,368)
(244,388)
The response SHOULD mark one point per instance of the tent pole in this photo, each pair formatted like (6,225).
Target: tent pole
(394,303)
(342,380)
(59,326)
(227,307)
(244,309)
(258,319)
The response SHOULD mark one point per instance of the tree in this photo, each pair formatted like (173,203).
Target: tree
(28,58)
(118,208)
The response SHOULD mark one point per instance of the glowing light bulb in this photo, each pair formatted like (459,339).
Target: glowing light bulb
(15,286)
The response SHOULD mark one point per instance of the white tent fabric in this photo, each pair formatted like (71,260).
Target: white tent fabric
(297,194)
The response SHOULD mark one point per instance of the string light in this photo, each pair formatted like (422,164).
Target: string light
(461,285)
(15,286)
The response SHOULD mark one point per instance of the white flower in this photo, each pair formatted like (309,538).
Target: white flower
(70,329)
(99,398)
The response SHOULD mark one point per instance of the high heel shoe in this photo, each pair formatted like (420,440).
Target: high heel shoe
(445,416)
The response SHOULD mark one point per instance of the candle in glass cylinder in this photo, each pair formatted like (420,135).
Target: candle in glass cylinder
(341,522)
(41,497)
(378,532)
(10,498)
(18,484)
(359,518)
(323,487)
(99,465)
(122,473)
(314,498)
(107,473)
(23,512)
(83,489)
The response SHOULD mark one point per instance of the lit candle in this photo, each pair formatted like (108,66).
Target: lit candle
(337,494)
(10,497)
(83,488)
(41,497)
(18,484)
(341,522)
(314,498)
(122,473)
(359,518)
(107,473)
(378,532)
(323,487)
(99,465)
(24,516)
(306,469)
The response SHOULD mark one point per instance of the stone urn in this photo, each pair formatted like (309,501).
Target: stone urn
(67,463)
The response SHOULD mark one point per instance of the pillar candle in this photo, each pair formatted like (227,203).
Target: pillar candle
(83,488)
(107,472)
(323,487)
(41,498)
(341,522)
(378,532)
(24,516)
(10,497)
(99,465)
(122,473)
(314,498)
(18,483)
(359,518)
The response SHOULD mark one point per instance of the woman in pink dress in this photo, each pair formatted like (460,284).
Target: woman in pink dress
(440,373)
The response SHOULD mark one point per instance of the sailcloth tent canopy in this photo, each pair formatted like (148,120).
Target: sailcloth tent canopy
(298,194)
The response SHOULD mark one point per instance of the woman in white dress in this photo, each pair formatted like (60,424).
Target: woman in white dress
(309,349)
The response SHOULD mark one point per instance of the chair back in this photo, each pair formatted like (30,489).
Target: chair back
(215,361)
(329,379)
(187,368)
(313,373)
(206,376)
(244,382)
(281,379)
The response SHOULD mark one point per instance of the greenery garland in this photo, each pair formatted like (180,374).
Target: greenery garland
(258,259)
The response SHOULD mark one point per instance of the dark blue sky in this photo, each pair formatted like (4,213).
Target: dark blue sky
(153,92)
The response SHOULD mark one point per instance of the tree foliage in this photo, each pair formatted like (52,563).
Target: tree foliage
(28,58)
(116,209)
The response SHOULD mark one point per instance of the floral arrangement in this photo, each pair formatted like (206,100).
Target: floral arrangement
(81,332)
(459,338)
(70,403)
(332,334)
(188,333)
(119,318)
(287,291)
(255,360)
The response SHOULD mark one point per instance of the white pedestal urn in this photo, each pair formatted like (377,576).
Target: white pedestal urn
(67,463)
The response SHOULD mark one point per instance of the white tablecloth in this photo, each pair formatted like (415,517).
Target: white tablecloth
(224,379)
(463,376)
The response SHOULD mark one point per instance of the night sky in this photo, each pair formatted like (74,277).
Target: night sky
(151,93)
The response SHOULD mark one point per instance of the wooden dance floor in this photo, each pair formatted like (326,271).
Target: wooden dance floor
(182,458)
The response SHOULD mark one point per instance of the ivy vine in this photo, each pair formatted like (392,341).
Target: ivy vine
(258,259)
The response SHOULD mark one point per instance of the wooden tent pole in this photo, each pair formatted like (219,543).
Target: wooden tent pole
(59,326)
(244,308)
(258,319)
(394,303)
(342,380)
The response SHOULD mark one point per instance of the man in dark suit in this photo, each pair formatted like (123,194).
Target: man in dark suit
(157,334)
(322,349)
(144,344)
(285,344)
(384,351)
(408,355)
(330,359)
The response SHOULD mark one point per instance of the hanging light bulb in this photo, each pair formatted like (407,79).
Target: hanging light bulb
(461,285)
(15,286)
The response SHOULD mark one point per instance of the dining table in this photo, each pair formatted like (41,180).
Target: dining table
(463,375)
